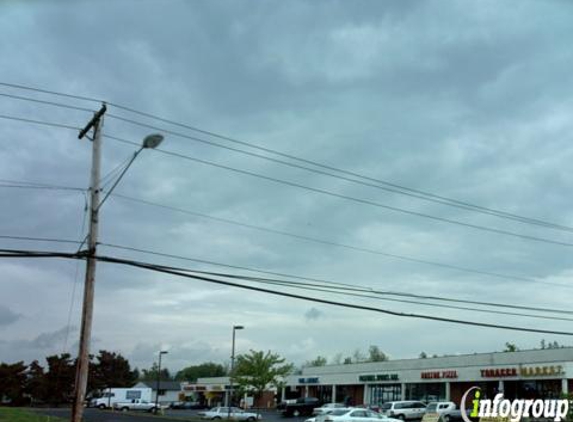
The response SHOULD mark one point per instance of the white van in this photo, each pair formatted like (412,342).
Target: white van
(115,395)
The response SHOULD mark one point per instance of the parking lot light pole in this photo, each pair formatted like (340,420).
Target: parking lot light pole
(232,373)
(162,352)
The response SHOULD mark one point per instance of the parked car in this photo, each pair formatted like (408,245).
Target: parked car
(327,406)
(137,404)
(218,413)
(186,405)
(440,407)
(404,409)
(303,406)
(353,414)
(326,412)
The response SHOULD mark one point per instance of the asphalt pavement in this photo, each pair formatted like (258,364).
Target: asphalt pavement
(170,415)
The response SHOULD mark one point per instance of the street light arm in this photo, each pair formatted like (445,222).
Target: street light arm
(135,154)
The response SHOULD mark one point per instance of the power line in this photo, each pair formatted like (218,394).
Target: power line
(351,198)
(38,239)
(303,237)
(45,91)
(393,187)
(332,284)
(316,190)
(9,253)
(178,272)
(413,194)
(51,103)
(336,244)
(66,188)
(39,122)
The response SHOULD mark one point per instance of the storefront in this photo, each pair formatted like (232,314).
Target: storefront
(525,374)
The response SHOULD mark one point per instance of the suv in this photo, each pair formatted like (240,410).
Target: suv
(404,409)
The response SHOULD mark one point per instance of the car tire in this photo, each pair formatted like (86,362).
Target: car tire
(446,418)
(402,417)
(250,419)
(296,413)
(217,418)
(101,406)
(124,409)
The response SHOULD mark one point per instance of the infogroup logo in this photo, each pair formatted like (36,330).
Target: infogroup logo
(512,409)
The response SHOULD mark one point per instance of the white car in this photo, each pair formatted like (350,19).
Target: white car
(354,415)
(440,407)
(326,407)
(237,414)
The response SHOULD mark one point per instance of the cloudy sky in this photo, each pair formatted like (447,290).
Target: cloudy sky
(466,100)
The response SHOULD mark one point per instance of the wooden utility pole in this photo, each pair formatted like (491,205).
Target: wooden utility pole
(82,367)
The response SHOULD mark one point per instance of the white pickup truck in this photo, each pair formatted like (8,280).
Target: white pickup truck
(136,404)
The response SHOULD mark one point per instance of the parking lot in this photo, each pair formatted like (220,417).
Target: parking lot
(96,415)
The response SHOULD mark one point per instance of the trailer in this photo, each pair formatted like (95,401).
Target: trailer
(111,396)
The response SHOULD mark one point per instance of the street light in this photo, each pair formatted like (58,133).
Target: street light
(82,368)
(162,352)
(230,399)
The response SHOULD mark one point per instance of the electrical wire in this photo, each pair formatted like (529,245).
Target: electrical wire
(439,200)
(9,253)
(302,237)
(321,191)
(38,239)
(180,273)
(351,198)
(332,284)
(396,188)
(40,122)
(51,103)
(337,244)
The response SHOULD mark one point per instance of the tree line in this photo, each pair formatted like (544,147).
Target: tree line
(54,383)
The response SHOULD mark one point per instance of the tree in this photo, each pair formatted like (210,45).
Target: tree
(376,355)
(337,359)
(111,369)
(35,382)
(347,360)
(510,347)
(12,382)
(151,374)
(318,361)
(358,357)
(423,355)
(257,370)
(59,379)
(207,369)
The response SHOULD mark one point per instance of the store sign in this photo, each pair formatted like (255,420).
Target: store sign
(378,377)
(438,374)
(539,371)
(498,372)
(190,387)
(308,380)
(524,371)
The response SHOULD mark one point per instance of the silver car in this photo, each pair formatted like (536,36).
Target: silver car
(404,409)
(236,413)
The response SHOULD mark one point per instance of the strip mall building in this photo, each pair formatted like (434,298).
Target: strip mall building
(544,373)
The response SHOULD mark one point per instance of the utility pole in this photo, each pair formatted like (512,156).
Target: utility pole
(82,367)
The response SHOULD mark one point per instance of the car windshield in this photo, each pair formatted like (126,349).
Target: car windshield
(386,406)
(431,407)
